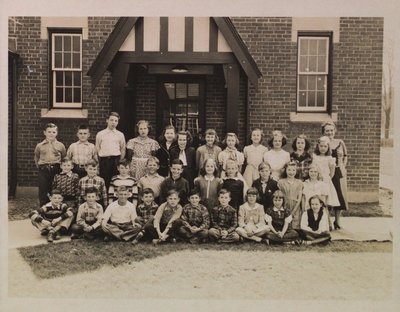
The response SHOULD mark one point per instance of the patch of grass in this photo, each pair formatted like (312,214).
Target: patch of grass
(19,209)
(55,260)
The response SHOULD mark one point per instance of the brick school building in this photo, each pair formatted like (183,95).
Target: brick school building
(231,74)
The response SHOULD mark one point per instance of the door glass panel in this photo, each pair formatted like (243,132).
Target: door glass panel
(181,90)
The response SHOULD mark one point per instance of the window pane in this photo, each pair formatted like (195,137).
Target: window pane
(303,64)
(312,64)
(68,95)
(322,64)
(67,43)
(303,98)
(68,78)
(181,109)
(57,43)
(76,43)
(193,109)
(59,95)
(77,95)
(170,88)
(322,46)
(67,60)
(77,79)
(311,99)
(58,60)
(320,83)
(59,79)
(181,90)
(320,99)
(311,82)
(313,47)
(303,83)
(303,46)
(76,60)
(193,89)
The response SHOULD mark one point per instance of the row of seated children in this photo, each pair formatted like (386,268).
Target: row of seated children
(192,222)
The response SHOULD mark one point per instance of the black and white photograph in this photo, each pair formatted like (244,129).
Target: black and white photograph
(199,156)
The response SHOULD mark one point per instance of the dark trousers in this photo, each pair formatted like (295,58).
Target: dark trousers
(184,233)
(290,235)
(78,230)
(46,175)
(80,170)
(108,168)
(151,231)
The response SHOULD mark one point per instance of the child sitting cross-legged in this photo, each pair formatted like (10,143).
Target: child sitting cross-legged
(195,220)
(164,225)
(145,213)
(88,219)
(278,219)
(223,220)
(53,217)
(119,219)
(251,218)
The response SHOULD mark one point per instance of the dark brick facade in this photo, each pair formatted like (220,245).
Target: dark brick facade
(357,76)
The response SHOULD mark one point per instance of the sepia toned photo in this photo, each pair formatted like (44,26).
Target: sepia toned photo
(220,158)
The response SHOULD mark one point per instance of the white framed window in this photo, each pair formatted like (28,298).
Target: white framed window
(66,70)
(313,73)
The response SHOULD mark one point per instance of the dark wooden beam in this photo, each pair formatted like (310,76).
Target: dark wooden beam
(213,36)
(232,96)
(139,35)
(177,57)
(119,78)
(188,34)
(164,34)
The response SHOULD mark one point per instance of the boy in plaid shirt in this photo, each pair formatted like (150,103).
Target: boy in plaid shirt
(145,213)
(88,219)
(92,180)
(53,217)
(223,220)
(195,220)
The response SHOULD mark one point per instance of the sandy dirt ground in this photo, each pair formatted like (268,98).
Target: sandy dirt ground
(220,275)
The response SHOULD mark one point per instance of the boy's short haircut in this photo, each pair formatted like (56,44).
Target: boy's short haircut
(56,192)
(177,161)
(194,191)
(92,163)
(123,162)
(83,127)
(173,191)
(91,190)
(224,191)
(65,160)
(122,188)
(50,125)
(152,158)
(147,190)
(115,114)
(263,165)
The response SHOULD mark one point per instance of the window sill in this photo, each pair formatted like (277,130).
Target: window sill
(59,113)
(312,117)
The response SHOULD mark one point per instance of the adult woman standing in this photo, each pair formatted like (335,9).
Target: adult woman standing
(339,152)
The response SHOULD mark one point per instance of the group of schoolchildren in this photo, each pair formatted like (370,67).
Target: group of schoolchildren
(171,191)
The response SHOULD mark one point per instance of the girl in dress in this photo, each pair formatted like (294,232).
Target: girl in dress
(251,221)
(265,185)
(187,154)
(208,184)
(292,188)
(314,186)
(139,149)
(301,146)
(208,150)
(277,157)
(253,155)
(326,163)
(230,153)
(339,179)
(314,222)
(167,142)
(234,184)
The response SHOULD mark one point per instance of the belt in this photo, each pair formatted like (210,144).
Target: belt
(49,166)
(110,157)
(80,166)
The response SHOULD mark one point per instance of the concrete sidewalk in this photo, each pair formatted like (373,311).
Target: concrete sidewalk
(23,234)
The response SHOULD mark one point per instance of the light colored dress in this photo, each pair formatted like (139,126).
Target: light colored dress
(204,152)
(254,157)
(323,163)
(320,188)
(277,160)
(292,189)
(142,150)
(232,154)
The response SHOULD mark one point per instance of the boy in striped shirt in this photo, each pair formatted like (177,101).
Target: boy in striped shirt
(123,179)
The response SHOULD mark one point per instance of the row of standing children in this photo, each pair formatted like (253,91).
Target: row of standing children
(109,142)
